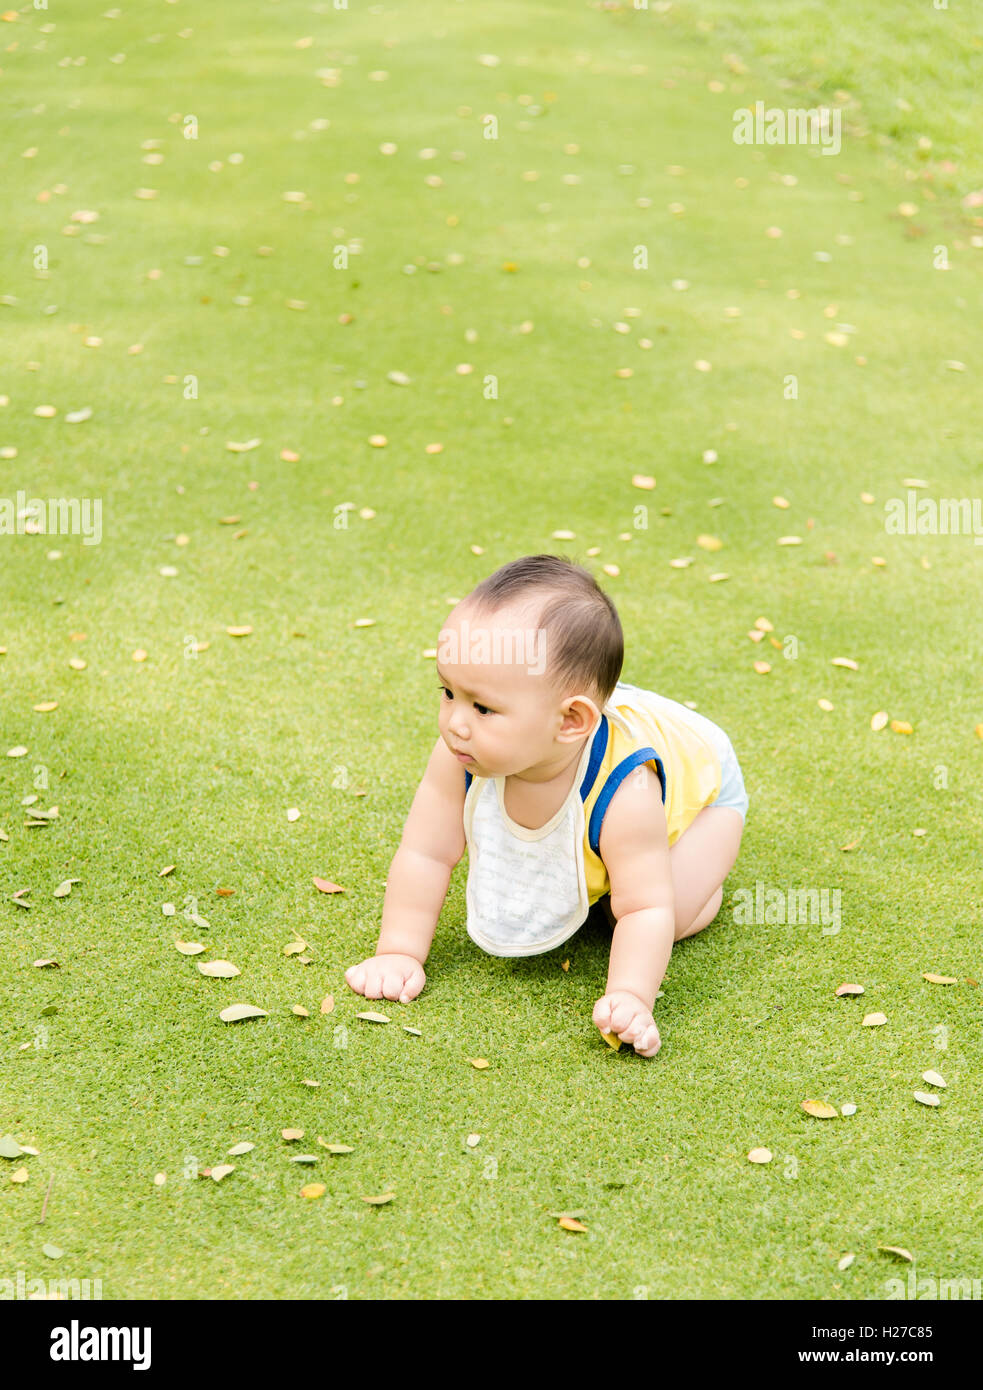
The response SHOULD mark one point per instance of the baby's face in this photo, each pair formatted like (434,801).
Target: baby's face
(498,711)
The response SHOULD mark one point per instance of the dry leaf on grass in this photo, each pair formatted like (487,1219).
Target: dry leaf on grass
(235,1012)
(219,969)
(820,1109)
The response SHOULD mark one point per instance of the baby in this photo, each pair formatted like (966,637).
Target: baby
(568,787)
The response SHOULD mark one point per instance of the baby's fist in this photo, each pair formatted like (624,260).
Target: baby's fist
(389,976)
(625,1015)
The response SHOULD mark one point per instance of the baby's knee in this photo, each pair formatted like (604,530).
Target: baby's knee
(706,914)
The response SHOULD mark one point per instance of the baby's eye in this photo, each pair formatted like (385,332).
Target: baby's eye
(482,709)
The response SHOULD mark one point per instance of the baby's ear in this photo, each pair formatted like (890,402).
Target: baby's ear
(580,717)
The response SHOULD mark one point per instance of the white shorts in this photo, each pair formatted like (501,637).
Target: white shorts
(732,790)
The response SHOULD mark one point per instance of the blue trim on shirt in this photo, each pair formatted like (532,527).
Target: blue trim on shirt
(598,748)
(467,781)
(614,781)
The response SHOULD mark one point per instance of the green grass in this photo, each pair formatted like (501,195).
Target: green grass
(194,761)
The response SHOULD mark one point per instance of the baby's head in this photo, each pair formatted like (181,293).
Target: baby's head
(526,663)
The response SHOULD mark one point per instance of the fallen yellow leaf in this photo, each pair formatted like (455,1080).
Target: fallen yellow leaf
(820,1109)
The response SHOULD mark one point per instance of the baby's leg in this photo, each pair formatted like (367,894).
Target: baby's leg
(701,859)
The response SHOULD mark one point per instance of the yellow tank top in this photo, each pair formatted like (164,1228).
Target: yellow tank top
(639,726)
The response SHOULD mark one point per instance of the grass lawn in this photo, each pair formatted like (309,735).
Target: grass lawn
(612,223)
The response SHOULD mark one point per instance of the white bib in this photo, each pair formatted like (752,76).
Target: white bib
(527,890)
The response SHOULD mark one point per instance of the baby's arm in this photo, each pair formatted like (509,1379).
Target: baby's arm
(634,846)
(432,844)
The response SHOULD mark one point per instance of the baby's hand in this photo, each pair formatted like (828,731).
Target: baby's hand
(388,976)
(625,1015)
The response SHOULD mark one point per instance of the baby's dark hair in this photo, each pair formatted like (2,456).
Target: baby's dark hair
(585,645)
